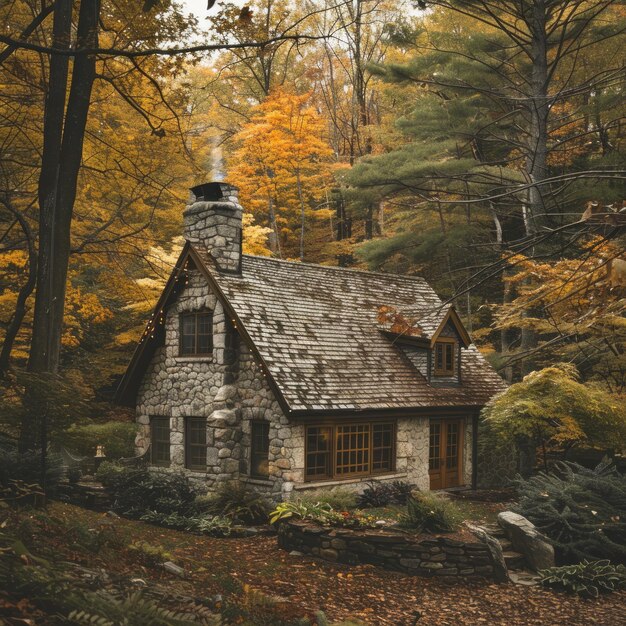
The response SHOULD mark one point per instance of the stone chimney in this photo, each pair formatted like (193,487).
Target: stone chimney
(213,220)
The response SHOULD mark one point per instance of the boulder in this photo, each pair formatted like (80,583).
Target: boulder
(500,570)
(527,540)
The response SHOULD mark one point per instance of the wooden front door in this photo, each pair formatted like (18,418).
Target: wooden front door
(445,457)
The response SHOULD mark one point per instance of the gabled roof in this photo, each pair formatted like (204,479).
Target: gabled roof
(314,331)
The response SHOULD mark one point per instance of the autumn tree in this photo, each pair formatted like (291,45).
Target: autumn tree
(282,168)
(552,408)
(576,309)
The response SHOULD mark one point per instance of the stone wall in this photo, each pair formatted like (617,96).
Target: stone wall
(229,389)
(419,556)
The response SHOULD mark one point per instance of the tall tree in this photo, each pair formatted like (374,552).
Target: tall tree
(282,167)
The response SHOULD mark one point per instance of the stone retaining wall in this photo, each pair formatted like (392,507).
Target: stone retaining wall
(419,556)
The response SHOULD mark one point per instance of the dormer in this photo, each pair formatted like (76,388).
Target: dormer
(446,350)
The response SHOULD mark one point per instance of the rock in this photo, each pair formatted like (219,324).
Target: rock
(296,553)
(527,540)
(500,570)
(113,514)
(172,568)
(523,577)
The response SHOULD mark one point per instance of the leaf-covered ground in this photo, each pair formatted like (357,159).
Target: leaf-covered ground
(230,567)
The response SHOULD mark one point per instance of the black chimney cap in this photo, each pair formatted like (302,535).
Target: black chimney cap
(213,191)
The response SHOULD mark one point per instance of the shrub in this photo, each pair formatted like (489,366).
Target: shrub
(238,502)
(339,499)
(26,468)
(382,494)
(118,439)
(322,513)
(299,510)
(581,511)
(149,554)
(588,579)
(136,491)
(430,512)
(207,525)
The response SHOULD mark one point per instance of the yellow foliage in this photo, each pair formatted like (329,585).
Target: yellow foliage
(282,164)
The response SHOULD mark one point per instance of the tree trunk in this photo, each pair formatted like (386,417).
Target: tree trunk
(15,323)
(538,109)
(65,131)
(527,455)
(302,214)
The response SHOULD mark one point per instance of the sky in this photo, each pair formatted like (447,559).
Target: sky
(198,7)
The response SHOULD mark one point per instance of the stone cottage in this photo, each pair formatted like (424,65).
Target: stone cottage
(291,376)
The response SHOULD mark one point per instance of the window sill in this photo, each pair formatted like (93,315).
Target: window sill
(194,359)
(332,482)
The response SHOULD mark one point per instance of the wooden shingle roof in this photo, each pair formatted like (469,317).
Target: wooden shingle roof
(317,332)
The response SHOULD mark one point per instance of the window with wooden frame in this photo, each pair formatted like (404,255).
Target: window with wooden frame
(195,443)
(444,357)
(160,441)
(344,450)
(259,449)
(196,333)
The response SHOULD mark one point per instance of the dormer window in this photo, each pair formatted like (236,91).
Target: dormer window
(196,333)
(444,354)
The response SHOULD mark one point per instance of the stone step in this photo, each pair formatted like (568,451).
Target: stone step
(505,544)
(524,577)
(513,560)
(494,530)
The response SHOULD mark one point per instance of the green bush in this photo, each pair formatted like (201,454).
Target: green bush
(581,511)
(378,494)
(216,525)
(237,502)
(432,513)
(136,491)
(149,554)
(118,439)
(588,579)
(322,513)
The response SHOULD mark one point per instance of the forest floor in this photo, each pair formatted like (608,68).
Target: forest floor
(240,571)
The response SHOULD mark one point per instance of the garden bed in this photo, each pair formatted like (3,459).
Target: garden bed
(394,550)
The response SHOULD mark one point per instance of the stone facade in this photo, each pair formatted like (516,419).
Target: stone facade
(230,390)
(432,556)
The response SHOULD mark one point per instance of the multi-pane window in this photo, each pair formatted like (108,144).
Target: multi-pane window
(444,358)
(434,446)
(259,449)
(318,451)
(349,449)
(382,447)
(352,449)
(160,440)
(195,443)
(196,333)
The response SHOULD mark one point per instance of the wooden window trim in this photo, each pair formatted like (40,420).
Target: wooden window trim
(253,424)
(181,323)
(188,464)
(160,462)
(444,371)
(333,450)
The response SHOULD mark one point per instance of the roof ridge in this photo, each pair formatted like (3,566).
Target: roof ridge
(337,267)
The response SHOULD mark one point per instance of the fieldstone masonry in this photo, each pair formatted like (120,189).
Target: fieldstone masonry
(229,388)
(433,556)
